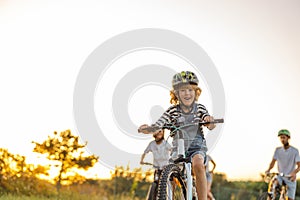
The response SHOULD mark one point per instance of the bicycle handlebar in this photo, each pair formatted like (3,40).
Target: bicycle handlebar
(150,164)
(156,128)
(147,163)
(278,174)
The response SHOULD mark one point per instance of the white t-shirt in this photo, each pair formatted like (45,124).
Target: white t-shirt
(161,153)
(286,159)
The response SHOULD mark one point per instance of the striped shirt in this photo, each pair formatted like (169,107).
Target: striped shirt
(192,132)
(173,113)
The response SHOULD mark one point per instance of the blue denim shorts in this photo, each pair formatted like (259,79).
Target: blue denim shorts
(198,146)
(208,177)
(291,186)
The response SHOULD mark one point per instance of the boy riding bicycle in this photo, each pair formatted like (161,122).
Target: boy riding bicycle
(287,158)
(185,110)
(160,149)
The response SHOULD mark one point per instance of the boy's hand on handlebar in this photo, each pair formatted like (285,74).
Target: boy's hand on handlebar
(142,129)
(209,119)
(146,129)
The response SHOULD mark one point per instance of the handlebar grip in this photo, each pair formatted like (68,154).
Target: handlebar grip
(215,121)
(218,121)
(151,128)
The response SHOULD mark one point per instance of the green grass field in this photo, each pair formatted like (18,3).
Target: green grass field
(64,197)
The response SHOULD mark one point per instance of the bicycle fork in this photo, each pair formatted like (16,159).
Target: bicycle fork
(191,190)
(283,195)
(272,191)
(188,168)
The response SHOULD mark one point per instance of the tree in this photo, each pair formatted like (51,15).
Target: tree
(5,159)
(67,152)
(18,177)
(11,164)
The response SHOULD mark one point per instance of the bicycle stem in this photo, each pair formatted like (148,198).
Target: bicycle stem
(180,147)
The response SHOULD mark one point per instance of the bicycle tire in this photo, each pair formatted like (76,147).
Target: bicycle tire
(171,184)
(152,192)
(264,196)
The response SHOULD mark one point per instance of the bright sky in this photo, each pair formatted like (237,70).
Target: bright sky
(254,45)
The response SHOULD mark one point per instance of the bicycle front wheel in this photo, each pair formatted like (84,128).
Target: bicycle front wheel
(152,193)
(283,195)
(171,184)
(264,196)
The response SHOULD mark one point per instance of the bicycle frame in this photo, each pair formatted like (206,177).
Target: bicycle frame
(182,161)
(275,189)
(187,167)
(152,191)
